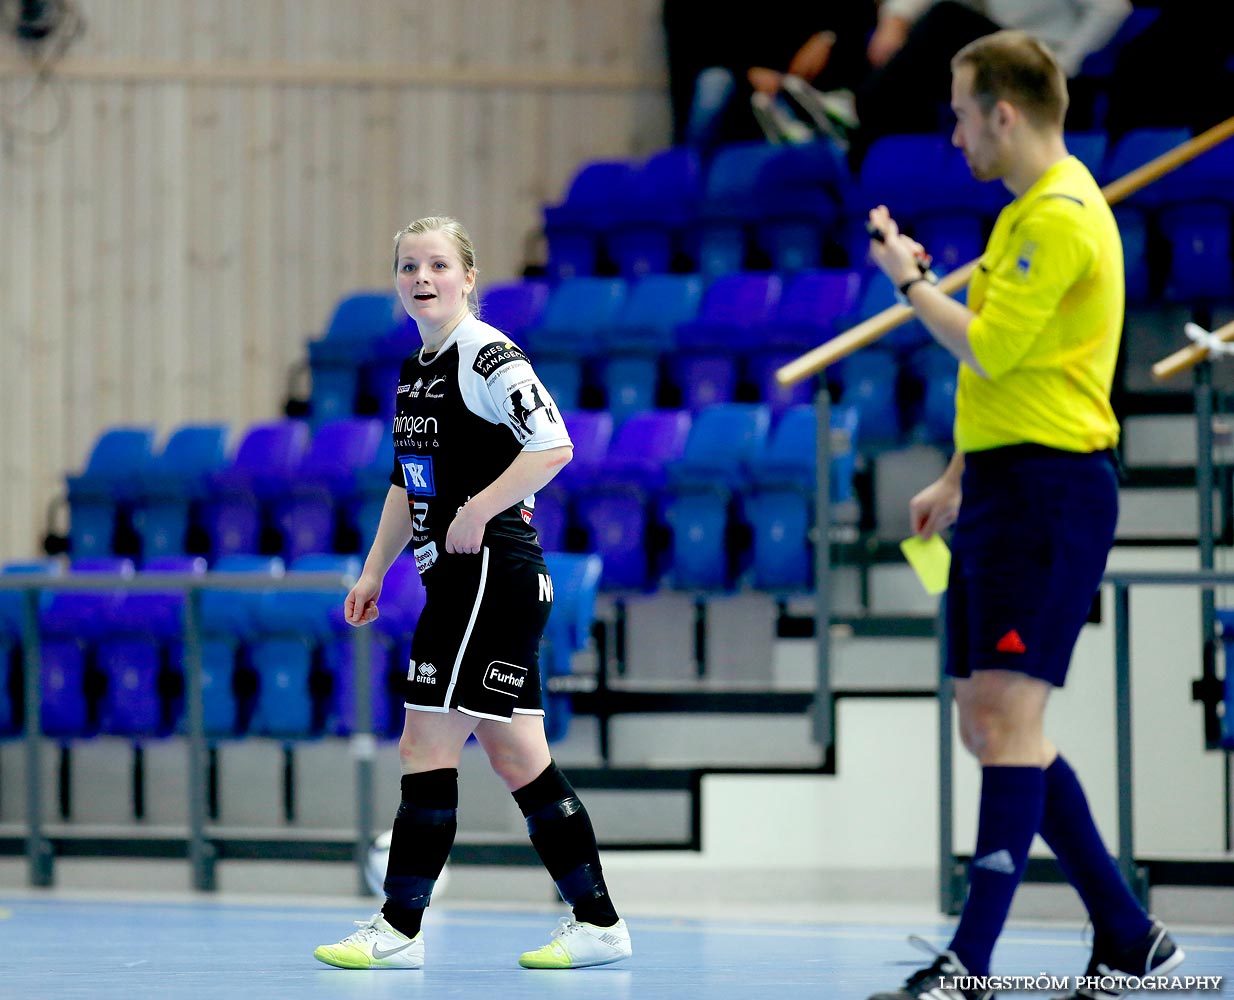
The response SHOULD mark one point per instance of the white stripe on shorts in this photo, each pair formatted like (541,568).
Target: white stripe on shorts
(471,623)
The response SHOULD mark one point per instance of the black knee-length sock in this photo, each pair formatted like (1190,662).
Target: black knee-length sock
(562,835)
(423,835)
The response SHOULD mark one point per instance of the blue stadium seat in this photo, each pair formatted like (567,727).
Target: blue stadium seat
(937,371)
(563,378)
(360,331)
(800,192)
(574,228)
(1134,150)
(729,207)
(590,431)
(168,493)
(141,657)
(230,620)
(723,442)
(705,363)
(99,496)
(779,506)
(1200,272)
(305,513)
(879,294)
(868,381)
(662,204)
(402,601)
(514,308)
(642,448)
(366,498)
(550,517)
(1209,178)
(782,549)
(952,240)
(616,520)
(69,625)
(233,514)
(614,509)
(292,690)
(806,316)
(1089,148)
(655,307)
(577,311)
(576,581)
(699,557)
(1133,231)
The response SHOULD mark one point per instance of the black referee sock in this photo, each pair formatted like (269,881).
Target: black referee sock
(562,835)
(423,835)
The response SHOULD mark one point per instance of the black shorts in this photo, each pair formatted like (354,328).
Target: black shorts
(477,645)
(1030,548)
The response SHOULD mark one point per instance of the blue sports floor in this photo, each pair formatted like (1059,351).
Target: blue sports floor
(63,949)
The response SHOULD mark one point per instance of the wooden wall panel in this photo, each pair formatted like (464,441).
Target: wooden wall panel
(228,169)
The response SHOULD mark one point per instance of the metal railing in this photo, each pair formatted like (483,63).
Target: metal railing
(200,846)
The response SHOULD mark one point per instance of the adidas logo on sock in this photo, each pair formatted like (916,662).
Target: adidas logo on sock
(998,861)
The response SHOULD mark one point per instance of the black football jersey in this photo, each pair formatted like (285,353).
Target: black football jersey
(462,416)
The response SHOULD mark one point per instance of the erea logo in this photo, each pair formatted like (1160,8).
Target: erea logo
(494,356)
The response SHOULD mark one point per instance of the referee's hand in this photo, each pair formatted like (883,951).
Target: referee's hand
(935,508)
(360,606)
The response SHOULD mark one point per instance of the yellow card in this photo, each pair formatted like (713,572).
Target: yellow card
(931,561)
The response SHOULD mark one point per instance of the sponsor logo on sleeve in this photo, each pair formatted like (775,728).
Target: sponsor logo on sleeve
(522,403)
(505,678)
(1024,260)
(495,356)
(418,474)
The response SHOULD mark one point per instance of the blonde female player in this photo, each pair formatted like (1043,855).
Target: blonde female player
(476,434)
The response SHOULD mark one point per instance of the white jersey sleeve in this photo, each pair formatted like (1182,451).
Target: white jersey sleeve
(500,385)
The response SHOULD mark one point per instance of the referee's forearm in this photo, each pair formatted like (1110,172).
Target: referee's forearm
(947,320)
(393,533)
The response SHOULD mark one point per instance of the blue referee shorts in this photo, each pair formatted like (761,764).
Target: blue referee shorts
(1029,550)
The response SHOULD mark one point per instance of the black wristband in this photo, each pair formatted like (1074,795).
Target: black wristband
(912,281)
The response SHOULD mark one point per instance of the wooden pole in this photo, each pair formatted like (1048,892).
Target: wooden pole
(875,327)
(1189,357)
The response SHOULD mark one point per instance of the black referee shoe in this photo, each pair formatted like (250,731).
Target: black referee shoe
(1156,954)
(936,982)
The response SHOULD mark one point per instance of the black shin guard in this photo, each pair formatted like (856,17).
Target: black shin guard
(423,835)
(562,835)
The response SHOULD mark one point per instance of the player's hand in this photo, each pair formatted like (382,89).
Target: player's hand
(896,254)
(360,606)
(935,508)
(466,531)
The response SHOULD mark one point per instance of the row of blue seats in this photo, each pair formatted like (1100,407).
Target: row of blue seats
(626,481)
(275,663)
(728,501)
(788,202)
(664,340)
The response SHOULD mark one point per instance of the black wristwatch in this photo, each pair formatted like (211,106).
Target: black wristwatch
(912,281)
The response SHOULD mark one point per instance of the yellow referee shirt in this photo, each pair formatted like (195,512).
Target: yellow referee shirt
(1048,294)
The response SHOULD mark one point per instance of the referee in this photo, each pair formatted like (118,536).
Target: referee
(1034,463)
